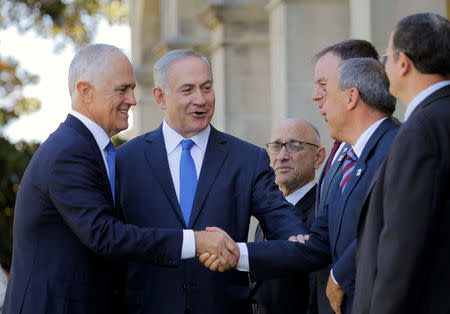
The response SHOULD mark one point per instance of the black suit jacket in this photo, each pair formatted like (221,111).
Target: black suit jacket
(288,295)
(403,260)
(68,239)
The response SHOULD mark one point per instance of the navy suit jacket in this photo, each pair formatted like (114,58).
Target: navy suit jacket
(403,251)
(235,183)
(333,234)
(68,238)
(288,295)
(323,197)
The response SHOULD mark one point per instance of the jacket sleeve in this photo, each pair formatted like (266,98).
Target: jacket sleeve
(76,189)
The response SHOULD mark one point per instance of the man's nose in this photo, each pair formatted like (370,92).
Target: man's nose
(317,93)
(131,98)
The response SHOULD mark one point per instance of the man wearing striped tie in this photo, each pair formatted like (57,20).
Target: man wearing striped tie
(358,108)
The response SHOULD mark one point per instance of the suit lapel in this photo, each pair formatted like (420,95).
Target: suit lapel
(335,166)
(360,168)
(156,156)
(78,126)
(212,163)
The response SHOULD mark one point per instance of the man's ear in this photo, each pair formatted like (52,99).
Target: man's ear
(319,157)
(159,96)
(405,64)
(85,91)
(351,98)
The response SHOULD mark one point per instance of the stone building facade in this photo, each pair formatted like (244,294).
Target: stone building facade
(261,52)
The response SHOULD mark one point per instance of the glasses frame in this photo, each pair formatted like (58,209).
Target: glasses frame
(268,145)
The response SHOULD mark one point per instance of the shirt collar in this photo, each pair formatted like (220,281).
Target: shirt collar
(297,195)
(172,138)
(97,131)
(364,138)
(422,95)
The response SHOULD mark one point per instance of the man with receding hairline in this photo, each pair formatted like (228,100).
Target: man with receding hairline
(358,109)
(326,62)
(195,176)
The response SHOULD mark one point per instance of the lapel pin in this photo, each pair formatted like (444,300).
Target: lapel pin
(358,173)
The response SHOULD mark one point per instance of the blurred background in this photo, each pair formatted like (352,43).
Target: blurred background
(261,53)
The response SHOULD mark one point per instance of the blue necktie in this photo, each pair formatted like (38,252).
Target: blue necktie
(188,179)
(111,161)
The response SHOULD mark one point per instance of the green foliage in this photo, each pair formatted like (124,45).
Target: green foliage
(12,81)
(74,20)
(13,160)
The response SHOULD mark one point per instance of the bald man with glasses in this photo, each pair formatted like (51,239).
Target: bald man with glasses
(295,154)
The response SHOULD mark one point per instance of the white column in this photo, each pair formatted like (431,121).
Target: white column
(239,47)
(298,30)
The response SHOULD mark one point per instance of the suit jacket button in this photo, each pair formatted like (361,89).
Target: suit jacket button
(184,286)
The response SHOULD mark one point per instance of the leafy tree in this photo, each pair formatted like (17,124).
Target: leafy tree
(68,22)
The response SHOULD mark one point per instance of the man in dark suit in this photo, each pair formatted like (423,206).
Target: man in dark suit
(326,63)
(194,176)
(403,260)
(295,154)
(70,241)
(358,108)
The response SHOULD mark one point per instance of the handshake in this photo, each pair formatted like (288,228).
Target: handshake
(216,249)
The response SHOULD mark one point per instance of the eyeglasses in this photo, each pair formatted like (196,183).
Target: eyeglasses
(291,146)
(383,58)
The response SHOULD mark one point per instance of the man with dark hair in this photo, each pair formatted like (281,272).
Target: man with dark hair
(327,61)
(403,256)
(358,108)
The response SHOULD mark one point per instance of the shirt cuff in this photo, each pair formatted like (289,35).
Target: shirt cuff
(188,247)
(243,264)
(332,276)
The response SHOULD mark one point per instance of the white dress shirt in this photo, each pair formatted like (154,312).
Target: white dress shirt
(101,138)
(422,95)
(172,141)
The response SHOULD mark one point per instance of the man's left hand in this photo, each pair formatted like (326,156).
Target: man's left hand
(335,295)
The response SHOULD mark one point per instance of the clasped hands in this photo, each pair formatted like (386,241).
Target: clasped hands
(217,251)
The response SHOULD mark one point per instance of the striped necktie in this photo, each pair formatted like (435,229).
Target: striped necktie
(349,165)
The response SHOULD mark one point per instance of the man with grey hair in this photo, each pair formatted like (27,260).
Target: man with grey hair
(195,176)
(70,239)
(358,109)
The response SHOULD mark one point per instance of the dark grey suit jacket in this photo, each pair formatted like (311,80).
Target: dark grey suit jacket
(403,252)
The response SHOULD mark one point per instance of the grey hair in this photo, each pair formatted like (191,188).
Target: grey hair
(369,77)
(162,66)
(89,64)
